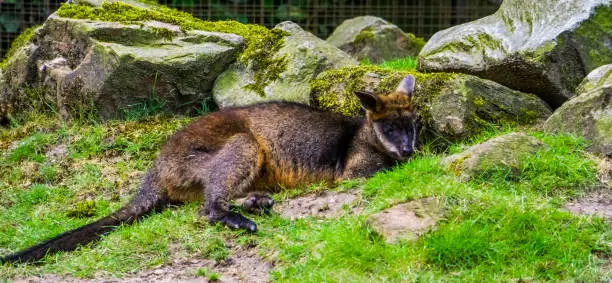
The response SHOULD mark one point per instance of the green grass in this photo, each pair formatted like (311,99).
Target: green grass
(496,227)
(407,63)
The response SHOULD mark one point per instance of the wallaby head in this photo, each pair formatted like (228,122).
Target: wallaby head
(392,118)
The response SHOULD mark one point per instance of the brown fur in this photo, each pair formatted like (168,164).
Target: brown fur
(231,153)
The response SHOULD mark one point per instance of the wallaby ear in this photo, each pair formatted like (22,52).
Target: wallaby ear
(406,86)
(368,100)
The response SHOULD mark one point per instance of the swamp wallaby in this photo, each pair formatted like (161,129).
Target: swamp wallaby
(235,152)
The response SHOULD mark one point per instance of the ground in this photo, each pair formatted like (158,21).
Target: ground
(57,175)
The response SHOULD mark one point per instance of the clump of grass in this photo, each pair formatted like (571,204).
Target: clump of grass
(210,276)
(519,240)
(401,64)
(407,63)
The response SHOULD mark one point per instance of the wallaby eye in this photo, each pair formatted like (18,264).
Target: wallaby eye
(388,130)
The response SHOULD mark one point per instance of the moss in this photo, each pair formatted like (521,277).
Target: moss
(489,41)
(262,43)
(416,42)
(18,42)
(456,166)
(594,33)
(366,35)
(540,55)
(265,65)
(83,209)
(164,33)
(479,101)
(325,86)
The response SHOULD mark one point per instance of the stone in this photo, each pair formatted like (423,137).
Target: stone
(452,106)
(599,77)
(406,221)
(589,114)
(374,39)
(306,55)
(502,152)
(110,67)
(542,47)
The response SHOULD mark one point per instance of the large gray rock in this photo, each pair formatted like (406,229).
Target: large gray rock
(453,106)
(589,114)
(374,39)
(306,55)
(503,152)
(112,67)
(543,47)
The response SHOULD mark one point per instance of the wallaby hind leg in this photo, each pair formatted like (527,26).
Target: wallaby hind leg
(230,172)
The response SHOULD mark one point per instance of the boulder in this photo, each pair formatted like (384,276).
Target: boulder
(306,56)
(453,106)
(374,39)
(406,221)
(77,65)
(599,77)
(503,152)
(542,47)
(588,114)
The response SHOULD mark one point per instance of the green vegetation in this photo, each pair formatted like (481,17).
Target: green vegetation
(390,73)
(499,227)
(17,43)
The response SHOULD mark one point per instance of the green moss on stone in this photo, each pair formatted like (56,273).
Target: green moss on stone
(164,33)
(18,42)
(595,35)
(325,86)
(267,67)
(365,36)
(262,43)
(479,102)
(416,42)
(489,41)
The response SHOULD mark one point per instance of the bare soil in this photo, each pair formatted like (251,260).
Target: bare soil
(597,202)
(321,204)
(243,265)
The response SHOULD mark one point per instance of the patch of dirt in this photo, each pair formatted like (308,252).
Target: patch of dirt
(57,153)
(243,265)
(321,204)
(598,202)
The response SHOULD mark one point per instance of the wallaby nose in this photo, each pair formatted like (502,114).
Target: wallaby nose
(407,151)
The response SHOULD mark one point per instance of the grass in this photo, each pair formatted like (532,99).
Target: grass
(406,63)
(495,228)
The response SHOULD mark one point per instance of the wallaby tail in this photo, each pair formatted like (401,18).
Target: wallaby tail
(147,199)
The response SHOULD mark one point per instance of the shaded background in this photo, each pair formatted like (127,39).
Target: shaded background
(421,17)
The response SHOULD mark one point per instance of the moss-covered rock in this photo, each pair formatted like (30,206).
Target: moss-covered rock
(453,106)
(500,153)
(306,56)
(597,78)
(541,47)
(406,221)
(589,114)
(110,57)
(374,39)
